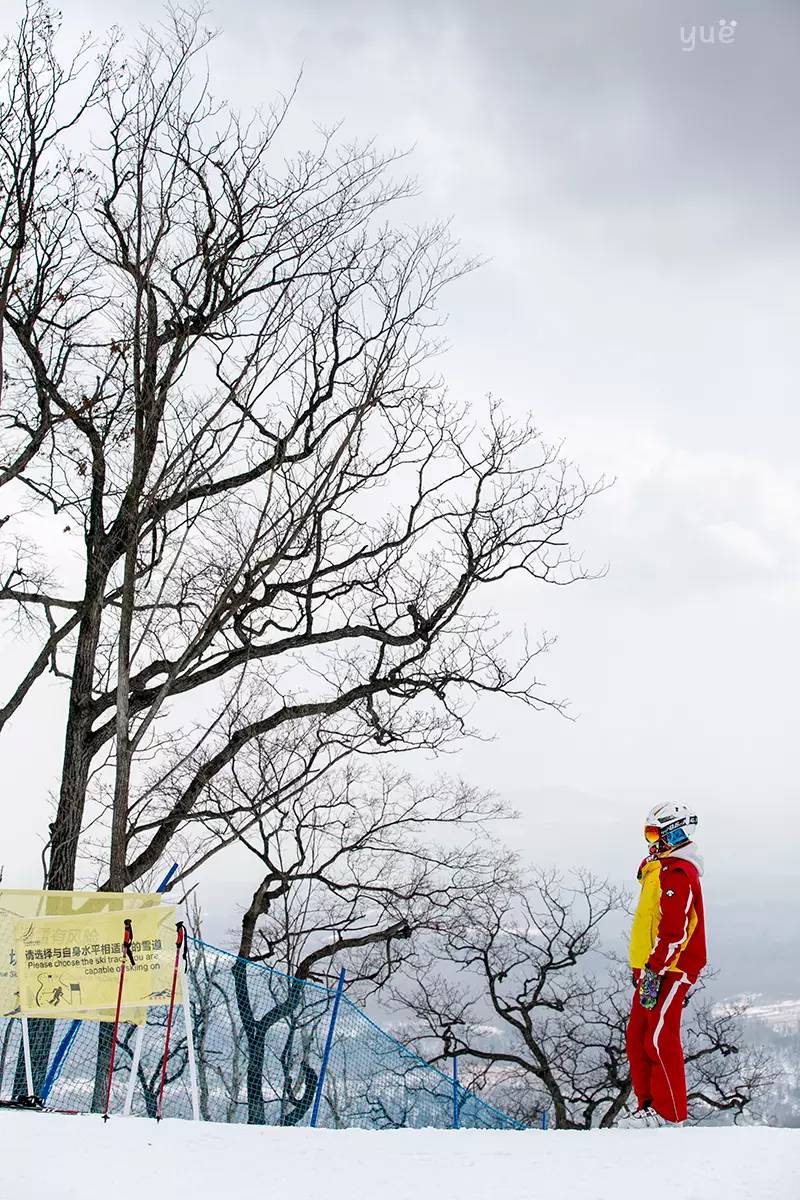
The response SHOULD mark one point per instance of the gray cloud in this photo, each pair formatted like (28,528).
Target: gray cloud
(602,108)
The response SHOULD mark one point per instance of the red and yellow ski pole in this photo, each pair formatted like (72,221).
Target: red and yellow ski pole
(179,936)
(127,956)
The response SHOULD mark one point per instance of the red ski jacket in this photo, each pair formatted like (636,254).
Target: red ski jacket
(668,931)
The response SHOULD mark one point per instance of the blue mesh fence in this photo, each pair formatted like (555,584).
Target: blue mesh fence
(259,1038)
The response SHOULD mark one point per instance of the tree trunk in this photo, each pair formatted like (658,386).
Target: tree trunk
(72,799)
(117,878)
(40,1034)
(616,1108)
(256,1038)
(66,828)
(255,1032)
(295,1108)
(105,1032)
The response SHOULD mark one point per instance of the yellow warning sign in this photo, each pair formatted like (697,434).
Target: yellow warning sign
(70,965)
(23,902)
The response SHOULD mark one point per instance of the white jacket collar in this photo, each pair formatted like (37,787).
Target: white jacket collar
(690,853)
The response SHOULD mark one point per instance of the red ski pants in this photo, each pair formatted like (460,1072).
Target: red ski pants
(655,1053)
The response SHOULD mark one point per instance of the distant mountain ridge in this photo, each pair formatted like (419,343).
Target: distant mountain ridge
(783,1016)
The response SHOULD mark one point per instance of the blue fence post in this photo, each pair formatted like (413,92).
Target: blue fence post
(327,1051)
(65,1045)
(456,1114)
(545,1118)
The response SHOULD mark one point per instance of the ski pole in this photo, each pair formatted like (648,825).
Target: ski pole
(178,945)
(127,939)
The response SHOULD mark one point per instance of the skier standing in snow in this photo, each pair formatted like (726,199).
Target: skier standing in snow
(667,953)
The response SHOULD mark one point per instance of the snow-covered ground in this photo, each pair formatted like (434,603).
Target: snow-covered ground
(78,1158)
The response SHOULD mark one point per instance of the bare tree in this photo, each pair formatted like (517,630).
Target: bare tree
(539,1012)
(364,859)
(725,1074)
(217,385)
(354,870)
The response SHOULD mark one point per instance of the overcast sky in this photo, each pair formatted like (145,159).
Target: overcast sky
(637,202)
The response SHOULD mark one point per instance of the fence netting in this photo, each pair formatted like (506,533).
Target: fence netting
(259,1038)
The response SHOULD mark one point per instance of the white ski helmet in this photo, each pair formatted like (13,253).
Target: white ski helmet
(667,825)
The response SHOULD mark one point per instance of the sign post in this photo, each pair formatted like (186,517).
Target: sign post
(26,1052)
(137,1054)
(327,1051)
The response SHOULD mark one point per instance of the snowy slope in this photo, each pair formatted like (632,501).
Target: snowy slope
(78,1158)
(780,1016)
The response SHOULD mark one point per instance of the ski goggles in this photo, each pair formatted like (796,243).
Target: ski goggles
(672,837)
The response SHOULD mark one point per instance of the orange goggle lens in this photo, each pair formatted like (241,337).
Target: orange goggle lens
(652,833)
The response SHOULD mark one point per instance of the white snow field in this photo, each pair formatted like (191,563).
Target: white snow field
(78,1158)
